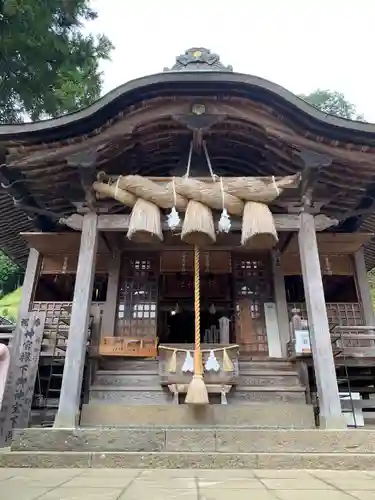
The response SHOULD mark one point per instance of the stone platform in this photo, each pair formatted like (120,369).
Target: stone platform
(184,447)
(262,415)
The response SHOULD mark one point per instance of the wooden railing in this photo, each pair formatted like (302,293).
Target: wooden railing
(57,322)
(339,313)
(344,314)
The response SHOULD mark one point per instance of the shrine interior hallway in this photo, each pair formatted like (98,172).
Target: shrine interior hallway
(187,484)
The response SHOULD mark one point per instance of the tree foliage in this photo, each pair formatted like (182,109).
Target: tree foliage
(333,103)
(10,275)
(48,66)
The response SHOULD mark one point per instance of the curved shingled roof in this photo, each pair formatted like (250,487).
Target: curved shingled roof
(187,83)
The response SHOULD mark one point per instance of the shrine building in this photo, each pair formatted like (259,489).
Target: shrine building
(196,246)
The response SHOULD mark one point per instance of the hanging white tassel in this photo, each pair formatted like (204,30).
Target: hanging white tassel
(212,309)
(212,363)
(224,222)
(188,365)
(173,218)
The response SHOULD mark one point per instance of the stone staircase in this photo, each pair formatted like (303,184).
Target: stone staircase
(136,381)
(267,380)
(219,447)
(265,425)
(129,382)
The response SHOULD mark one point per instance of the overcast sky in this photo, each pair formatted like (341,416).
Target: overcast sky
(299,44)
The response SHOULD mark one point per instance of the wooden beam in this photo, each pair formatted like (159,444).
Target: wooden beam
(87,178)
(74,221)
(68,412)
(313,163)
(281,303)
(110,308)
(85,162)
(324,364)
(283,222)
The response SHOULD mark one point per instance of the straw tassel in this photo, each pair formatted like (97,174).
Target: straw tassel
(227,362)
(173,362)
(197,390)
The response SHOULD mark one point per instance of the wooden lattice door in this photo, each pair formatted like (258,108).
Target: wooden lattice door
(138,297)
(252,287)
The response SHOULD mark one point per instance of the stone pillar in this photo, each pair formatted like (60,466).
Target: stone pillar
(68,412)
(27,295)
(363,288)
(281,303)
(329,401)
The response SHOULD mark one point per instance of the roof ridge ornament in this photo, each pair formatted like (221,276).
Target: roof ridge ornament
(199,59)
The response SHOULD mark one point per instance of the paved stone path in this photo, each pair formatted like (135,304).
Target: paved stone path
(125,484)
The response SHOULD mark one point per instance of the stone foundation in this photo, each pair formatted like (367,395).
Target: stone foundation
(334,461)
(199,448)
(263,415)
(188,440)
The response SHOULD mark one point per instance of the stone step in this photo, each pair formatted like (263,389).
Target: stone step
(157,395)
(151,377)
(268,377)
(131,395)
(140,378)
(270,388)
(266,365)
(258,415)
(249,394)
(136,460)
(120,363)
(193,440)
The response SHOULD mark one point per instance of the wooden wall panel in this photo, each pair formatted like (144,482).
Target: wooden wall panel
(334,243)
(338,265)
(59,264)
(216,262)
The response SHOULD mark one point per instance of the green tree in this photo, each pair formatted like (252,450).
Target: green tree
(333,103)
(48,66)
(10,274)
(371,279)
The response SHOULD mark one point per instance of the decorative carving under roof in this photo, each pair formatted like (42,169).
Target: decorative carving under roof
(199,59)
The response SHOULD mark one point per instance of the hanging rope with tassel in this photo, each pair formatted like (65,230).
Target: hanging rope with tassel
(197,391)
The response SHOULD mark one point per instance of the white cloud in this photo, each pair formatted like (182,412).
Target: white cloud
(298,44)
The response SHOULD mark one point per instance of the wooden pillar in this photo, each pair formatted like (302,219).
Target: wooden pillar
(68,412)
(329,401)
(110,310)
(281,303)
(27,295)
(363,288)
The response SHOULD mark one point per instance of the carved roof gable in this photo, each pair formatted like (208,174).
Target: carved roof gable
(199,59)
